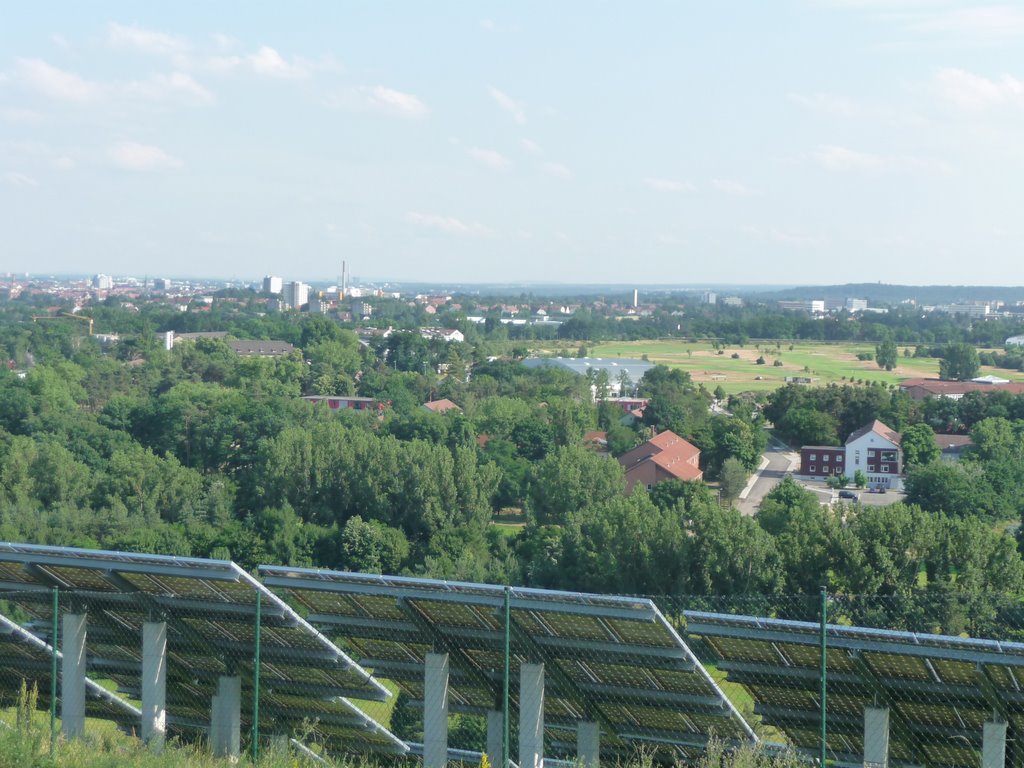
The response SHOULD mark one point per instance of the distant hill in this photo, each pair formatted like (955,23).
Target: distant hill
(883,293)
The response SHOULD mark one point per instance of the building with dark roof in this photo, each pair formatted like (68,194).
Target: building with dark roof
(260,348)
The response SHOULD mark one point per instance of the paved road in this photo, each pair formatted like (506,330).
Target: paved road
(780,461)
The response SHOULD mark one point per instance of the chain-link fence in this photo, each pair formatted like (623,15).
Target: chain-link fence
(926,679)
(931,679)
(232,678)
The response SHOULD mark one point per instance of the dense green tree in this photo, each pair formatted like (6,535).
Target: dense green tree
(918,446)
(886,354)
(805,534)
(570,479)
(958,489)
(371,547)
(959,362)
(733,479)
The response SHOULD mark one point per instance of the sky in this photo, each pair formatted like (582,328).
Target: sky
(674,142)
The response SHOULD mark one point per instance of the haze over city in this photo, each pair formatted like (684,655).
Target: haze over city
(810,141)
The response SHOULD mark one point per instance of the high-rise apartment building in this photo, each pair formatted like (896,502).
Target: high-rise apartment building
(272,284)
(295,294)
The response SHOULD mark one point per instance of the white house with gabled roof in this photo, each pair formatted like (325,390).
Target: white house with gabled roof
(875,451)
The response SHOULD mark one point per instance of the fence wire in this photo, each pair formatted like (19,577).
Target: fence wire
(929,679)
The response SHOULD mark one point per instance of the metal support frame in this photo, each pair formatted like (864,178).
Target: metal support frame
(435,713)
(505,702)
(225,717)
(993,744)
(531,716)
(72,693)
(54,637)
(588,744)
(442,642)
(495,737)
(154,683)
(899,724)
(876,737)
(543,653)
(256,678)
(823,664)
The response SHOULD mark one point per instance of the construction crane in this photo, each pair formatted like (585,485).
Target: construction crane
(72,315)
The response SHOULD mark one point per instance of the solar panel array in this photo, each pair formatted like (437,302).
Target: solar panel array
(611,660)
(939,689)
(615,661)
(210,609)
(27,658)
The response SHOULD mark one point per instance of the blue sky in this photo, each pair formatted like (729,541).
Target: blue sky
(802,141)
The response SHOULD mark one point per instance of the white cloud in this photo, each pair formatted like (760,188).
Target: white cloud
(267,61)
(392,102)
(224,42)
(668,185)
(510,105)
(969,91)
(448,224)
(20,179)
(489,157)
(835,158)
(145,40)
(37,75)
(131,156)
(983,22)
(63,163)
(59,40)
(843,160)
(175,85)
(488,24)
(734,188)
(531,146)
(557,169)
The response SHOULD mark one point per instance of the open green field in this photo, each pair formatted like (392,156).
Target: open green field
(823,363)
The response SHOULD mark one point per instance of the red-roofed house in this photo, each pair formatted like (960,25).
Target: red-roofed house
(919,389)
(442,406)
(664,457)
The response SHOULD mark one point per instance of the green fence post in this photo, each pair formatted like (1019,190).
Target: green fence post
(256,682)
(824,676)
(55,628)
(508,664)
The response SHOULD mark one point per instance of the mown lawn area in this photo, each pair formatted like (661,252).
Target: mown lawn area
(822,363)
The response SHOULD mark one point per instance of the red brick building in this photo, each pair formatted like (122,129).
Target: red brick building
(821,461)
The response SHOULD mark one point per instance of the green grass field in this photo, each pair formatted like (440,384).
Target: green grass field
(822,363)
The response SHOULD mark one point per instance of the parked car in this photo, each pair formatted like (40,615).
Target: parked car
(849,495)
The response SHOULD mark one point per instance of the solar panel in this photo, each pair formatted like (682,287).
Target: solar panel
(27,658)
(613,660)
(939,690)
(209,607)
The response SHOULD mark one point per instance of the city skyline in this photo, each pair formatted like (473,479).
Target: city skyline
(803,142)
